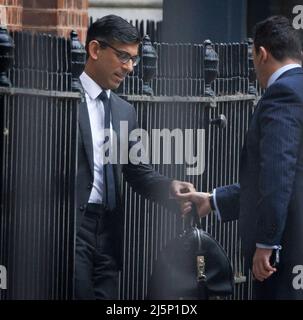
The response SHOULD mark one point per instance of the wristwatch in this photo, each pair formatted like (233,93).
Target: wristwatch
(211,201)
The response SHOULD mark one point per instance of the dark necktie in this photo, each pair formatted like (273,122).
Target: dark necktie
(109,193)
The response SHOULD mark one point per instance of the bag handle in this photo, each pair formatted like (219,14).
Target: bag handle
(192,219)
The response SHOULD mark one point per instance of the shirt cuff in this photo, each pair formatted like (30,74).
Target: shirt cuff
(217,211)
(265,246)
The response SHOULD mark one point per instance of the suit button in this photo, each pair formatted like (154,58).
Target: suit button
(89,186)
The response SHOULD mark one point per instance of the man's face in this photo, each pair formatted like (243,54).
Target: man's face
(109,70)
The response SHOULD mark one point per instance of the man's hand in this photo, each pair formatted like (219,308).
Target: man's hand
(178,187)
(261,265)
(200,199)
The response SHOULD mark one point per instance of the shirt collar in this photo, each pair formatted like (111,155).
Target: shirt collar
(280,71)
(91,87)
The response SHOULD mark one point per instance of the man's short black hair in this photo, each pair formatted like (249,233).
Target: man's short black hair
(112,28)
(277,35)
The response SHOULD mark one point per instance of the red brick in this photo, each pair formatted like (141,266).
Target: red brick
(29,3)
(61,4)
(79,4)
(84,22)
(12,3)
(10,15)
(61,18)
(50,16)
(39,17)
(47,4)
(40,4)
(69,4)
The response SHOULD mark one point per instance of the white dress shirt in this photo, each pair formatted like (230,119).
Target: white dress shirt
(96,117)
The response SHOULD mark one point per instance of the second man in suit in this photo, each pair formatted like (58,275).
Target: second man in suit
(268,200)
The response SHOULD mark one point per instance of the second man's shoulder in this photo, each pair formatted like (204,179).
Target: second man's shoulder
(288,90)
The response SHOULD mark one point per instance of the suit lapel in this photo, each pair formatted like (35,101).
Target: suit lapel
(85,131)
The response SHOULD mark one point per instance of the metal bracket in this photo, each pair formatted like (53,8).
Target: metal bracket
(201,268)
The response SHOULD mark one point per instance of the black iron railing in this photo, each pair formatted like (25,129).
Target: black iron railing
(38,169)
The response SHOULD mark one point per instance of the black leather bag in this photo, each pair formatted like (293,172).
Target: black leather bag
(193,266)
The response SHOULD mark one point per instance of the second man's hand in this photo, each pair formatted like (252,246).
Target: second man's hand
(200,199)
(261,265)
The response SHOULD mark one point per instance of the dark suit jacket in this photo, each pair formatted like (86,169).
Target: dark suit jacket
(142,177)
(269,203)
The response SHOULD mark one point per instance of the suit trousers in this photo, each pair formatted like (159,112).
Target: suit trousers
(96,268)
(265,290)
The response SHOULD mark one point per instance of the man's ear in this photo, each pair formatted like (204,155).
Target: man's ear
(93,49)
(263,55)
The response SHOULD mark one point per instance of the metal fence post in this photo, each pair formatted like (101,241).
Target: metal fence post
(149,64)
(251,69)
(6,56)
(211,62)
(78,56)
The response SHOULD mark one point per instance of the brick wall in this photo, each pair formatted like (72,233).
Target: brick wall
(11,14)
(56,16)
(75,13)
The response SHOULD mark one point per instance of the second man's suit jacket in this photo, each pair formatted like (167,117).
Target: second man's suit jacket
(268,201)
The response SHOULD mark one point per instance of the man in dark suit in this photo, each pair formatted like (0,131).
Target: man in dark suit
(112,52)
(268,200)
